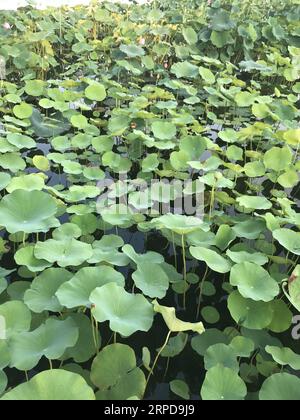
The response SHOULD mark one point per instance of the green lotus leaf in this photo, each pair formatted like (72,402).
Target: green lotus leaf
(282,317)
(173,323)
(4,180)
(67,231)
(175,345)
(223,384)
(41,163)
(210,315)
(278,159)
(52,385)
(253,282)
(180,388)
(95,92)
(106,251)
(41,295)
(190,35)
(141,259)
(244,99)
(164,130)
(20,141)
(243,256)
(118,215)
(76,292)
(127,313)
(35,87)
(251,314)
(224,237)
(85,346)
(221,21)
(30,182)
(151,279)
(12,161)
(150,163)
(185,70)
(17,318)
(255,169)
(68,252)
(28,211)
(132,50)
(51,340)
(25,256)
(48,127)
(210,337)
(242,346)
(23,111)
(79,121)
(207,75)
(289,239)
(179,224)
(252,202)
(221,354)
(280,387)
(115,373)
(214,261)
(284,356)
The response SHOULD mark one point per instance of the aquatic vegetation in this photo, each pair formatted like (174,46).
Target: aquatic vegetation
(149,178)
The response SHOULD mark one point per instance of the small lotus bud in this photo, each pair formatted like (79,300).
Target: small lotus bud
(142,41)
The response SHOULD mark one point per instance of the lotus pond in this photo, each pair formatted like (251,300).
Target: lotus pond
(107,290)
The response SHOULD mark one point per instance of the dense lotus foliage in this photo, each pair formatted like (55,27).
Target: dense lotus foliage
(101,297)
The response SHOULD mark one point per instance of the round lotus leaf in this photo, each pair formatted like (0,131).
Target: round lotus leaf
(17,318)
(95,92)
(67,252)
(150,163)
(140,259)
(85,346)
(179,224)
(4,354)
(214,261)
(132,50)
(52,385)
(251,202)
(244,99)
(12,161)
(164,130)
(282,317)
(50,340)
(243,256)
(25,256)
(284,356)
(127,313)
(242,346)
(34,87)
(185,70)
(67,231)
(28,211)
(152,280)
(173,323)
(180,388)
(115,373)
(278,159)
(4,180)
(93,173)
(41,295)
(253,282)
(224,237)
(280,387)
(79,121)
(190,35)
(221,354)
(76,292)
(249,313)
(207,75)
(255,169)
(30,182)
(87,223)
(223,384)
(210,314)
(288,239)
(41,163)
(106,250)
(175,345)
(23,111)
(21,141)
